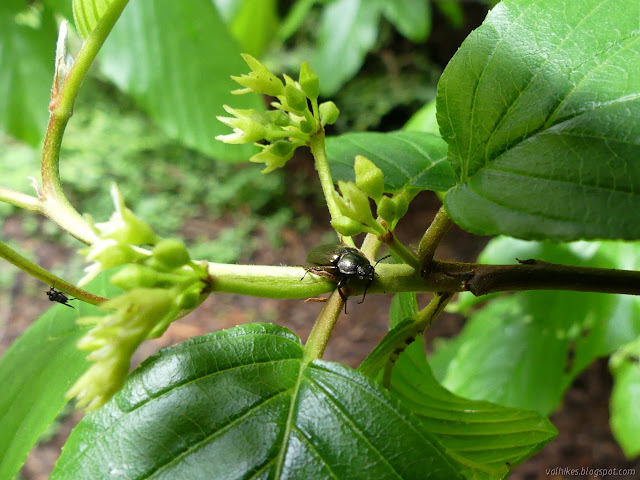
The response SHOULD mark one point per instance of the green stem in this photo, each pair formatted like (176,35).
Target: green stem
(315,110)
(43,275)
(423,320)
(397,339)
(319,153)
(287,282)
(403,252)
(20,199)
(370,246)
(55,203)
(291,22)
(433,236)
(319,336)
(435,307)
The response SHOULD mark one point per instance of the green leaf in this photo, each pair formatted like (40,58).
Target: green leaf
(412,18)
(539,107)
(407,159)
(388,346)
(87,13)
(525,350)
(424,120)
(241,404)
(348,30)
(404,308)
(404,305)
(506,356)
(175,59)
(36,372)
(489,439)
(254,25)
(625,397)
(26,55)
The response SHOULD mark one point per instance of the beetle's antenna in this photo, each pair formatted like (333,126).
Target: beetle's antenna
(386,256)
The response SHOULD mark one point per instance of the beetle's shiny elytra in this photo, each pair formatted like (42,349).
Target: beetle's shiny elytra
(342,264)
(57,296)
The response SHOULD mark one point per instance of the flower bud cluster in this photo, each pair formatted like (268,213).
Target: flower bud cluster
(355,207)
(297,115)
(158,285)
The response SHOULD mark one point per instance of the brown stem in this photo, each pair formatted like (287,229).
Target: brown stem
(538,275)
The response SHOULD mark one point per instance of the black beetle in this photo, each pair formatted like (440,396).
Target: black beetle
(342,264)
(57,296)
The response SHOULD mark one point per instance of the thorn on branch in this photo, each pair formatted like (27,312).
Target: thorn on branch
(528,261)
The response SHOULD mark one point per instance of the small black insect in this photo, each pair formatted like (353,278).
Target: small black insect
(342,264)
(57,296)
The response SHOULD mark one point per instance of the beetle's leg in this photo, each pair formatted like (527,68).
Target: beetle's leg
(342,295)
(322,271)
(364,295)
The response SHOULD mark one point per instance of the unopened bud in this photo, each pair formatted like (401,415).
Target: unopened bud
(369,177)
(309,81)
(328,113)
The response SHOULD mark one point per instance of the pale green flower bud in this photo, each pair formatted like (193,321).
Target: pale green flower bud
(273,156)
(260,80)
(137,276)
(387,209)
(369,177)
(309,81)
(328,113)
(99,383)
(189,298)
(248,126)
(278,118)
(124,226)
(402,205)
(308,127)
(171,252)
(345,207)
(347,226)
(282,148)
(358,200)
(113,340)
(296,99)
(105,254)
